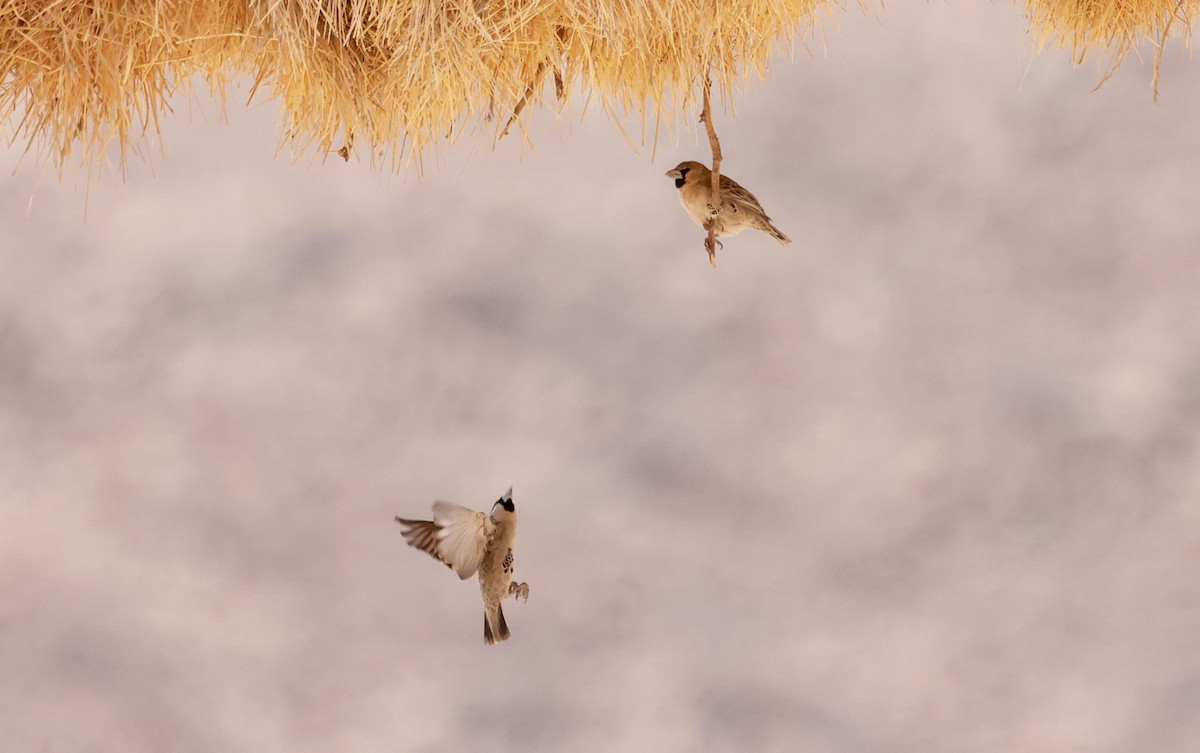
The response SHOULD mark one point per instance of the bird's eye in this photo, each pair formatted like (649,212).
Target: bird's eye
(685,171)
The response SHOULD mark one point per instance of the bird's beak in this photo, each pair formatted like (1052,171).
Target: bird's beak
(674,174)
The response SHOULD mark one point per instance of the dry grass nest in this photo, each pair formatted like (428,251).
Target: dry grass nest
(90,78)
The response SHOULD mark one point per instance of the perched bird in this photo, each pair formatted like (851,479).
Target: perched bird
(739,208)
(469,542)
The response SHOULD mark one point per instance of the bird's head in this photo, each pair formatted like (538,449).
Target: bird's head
(504,511)
(681,171)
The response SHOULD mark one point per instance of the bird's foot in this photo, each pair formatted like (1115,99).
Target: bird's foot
(711,244)
(519,591)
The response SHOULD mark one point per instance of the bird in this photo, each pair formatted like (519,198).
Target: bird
(739,208)
(467,542)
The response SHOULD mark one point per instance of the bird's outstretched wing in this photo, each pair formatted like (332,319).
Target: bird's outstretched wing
(420,534)
(462,536)
(457,536)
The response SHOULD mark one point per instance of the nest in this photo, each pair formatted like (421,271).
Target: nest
(1115,27)
(79,78)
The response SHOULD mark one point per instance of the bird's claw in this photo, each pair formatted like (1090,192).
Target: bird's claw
(711,244)
(519,591)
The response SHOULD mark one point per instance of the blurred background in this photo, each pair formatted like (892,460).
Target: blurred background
(925,480)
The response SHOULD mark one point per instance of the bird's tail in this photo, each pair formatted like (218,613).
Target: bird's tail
(777,235)
(500,631)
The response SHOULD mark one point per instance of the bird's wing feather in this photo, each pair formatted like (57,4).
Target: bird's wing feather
(462,537)
(731,190)
(423,535)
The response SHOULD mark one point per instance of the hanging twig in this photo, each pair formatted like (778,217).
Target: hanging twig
(1161,44)
(535,84)
(711,242)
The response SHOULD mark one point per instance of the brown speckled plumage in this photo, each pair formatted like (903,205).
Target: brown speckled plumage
(739,208)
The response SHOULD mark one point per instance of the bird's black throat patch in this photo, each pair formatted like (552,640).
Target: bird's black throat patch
(683,171)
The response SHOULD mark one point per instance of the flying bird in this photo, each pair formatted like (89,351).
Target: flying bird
(739,208)
(468,542)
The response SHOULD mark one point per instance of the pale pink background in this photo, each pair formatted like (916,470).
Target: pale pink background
(927,480)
